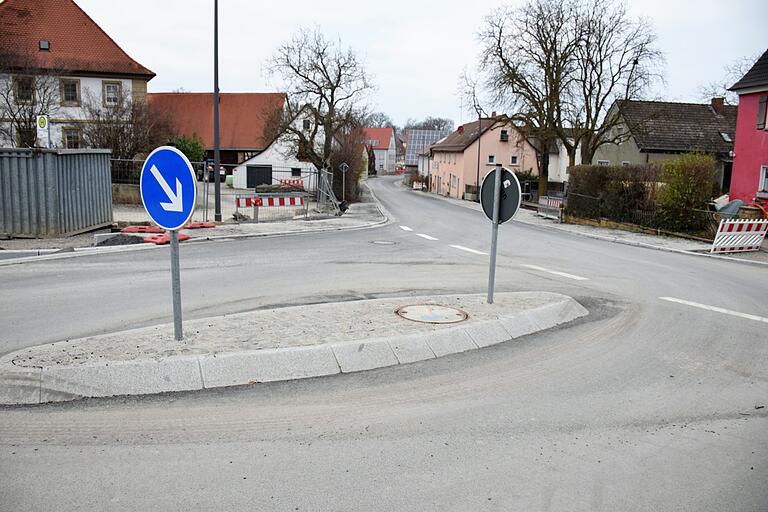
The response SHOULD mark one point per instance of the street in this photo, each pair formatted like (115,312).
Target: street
(652,402)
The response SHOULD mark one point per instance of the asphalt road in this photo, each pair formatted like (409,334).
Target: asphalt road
(647,404)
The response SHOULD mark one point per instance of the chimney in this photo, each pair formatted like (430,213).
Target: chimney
(493,114)
(461,129)
(718,105)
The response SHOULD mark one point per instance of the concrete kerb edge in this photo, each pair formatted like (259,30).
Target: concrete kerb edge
(24,386)
(90,251)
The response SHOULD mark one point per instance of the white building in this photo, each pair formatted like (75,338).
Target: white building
(382,140)
(41,52)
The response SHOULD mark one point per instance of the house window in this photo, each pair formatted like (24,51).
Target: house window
(625,163)
(761,106)
(504,136)
(71,138)
(70,92)
(604,162)
(491,159)
(112,92)
(307,124)
(619,133)
(513,160)
(763,185)
(295,172)
(24,89)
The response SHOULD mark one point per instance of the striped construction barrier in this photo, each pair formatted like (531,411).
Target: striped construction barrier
(265,201)
(293,182)
(739,235)
(550,207)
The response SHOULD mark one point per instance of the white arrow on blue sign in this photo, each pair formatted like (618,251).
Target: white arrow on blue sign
(168,187)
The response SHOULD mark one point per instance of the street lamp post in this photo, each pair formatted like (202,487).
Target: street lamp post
(216,152)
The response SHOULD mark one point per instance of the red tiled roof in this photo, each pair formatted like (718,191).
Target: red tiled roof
(77,43)
(242,116)
(380,137)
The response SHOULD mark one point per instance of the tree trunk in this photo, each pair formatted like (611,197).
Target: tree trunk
(544,173)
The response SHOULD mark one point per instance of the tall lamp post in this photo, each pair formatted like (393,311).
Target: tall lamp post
(216,152)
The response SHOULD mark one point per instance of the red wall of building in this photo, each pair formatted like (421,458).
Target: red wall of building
(750,149)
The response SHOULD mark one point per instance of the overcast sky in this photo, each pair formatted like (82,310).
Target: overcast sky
(415,50)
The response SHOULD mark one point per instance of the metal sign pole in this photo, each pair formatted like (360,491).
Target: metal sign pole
(343,186)
(178,335)
(494,231)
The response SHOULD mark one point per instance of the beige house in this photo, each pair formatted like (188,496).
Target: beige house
(453,164)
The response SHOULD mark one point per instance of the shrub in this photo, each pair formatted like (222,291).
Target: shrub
(688,183)
(192,147)
(611,192)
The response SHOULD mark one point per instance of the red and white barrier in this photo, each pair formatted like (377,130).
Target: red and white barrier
(245,201)
(293,183)
(740,235)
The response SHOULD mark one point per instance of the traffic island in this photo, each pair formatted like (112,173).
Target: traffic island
(277,344)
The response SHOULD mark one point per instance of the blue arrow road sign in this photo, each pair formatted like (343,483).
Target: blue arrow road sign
(168,187)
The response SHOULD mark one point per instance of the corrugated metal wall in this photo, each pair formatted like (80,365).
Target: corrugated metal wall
(49,192)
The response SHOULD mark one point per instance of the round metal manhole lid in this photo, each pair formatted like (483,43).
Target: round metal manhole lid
(432,314)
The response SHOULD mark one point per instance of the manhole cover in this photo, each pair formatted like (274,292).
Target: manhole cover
(383,242)
(432,314)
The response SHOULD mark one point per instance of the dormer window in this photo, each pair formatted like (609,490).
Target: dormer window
(45,45)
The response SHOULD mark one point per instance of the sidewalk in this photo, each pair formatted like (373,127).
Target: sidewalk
(365,214)
(663,243)
(271,345)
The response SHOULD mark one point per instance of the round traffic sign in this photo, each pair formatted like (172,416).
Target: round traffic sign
(168,187)
(510,199)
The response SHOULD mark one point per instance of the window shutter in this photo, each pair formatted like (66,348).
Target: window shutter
(761,112)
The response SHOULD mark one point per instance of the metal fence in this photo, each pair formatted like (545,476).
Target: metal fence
(53,192)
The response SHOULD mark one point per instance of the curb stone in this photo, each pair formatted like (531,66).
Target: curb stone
(194,372)
(607,238)
(89,251)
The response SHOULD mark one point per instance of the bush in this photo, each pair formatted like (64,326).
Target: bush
(612,192)
(192,147)
(688,183)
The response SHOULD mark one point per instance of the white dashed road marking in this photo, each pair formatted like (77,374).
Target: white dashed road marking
(405,228)
(422,235)
(716,309)
(556,273)
(473,251)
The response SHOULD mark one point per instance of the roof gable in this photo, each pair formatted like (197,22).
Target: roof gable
(243,117)
(464,136)
(378,138)
(77,43)
(660,126)
(757,76)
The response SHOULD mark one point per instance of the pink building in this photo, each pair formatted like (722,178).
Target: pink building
(453,166)
(750,161)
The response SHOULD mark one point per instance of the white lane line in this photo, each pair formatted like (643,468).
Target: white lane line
(556,273)
(422,235)
(473,251)
(405,228)
(716,309)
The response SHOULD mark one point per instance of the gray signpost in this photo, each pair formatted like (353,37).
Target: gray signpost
(168,189)
(344,167)
(500,197)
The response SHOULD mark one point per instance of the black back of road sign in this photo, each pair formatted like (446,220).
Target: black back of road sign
(510,195)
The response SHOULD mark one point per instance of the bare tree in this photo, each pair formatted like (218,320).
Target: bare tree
(26,91)
(129,128)
(378,120)
(615,60)
(325,86)
(527,61)
(430,123)
(732,74)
